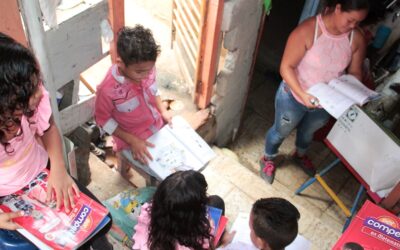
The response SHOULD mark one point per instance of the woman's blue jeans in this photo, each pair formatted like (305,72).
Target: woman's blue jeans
(290,114)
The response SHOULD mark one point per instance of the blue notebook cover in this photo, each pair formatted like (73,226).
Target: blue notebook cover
(215,215)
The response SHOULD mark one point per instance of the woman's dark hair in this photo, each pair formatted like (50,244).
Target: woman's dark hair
(348,5)
(19,79)
(179,214)
(136,45)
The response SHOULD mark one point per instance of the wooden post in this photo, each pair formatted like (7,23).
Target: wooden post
(10,21)
(117,21)
(210,55)
(32,16)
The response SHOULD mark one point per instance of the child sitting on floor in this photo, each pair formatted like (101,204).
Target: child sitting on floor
(29,139)
(272,226)
(128,105)
(273,223)
(177,219)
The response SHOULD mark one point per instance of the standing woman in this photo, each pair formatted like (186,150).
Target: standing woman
(320,49)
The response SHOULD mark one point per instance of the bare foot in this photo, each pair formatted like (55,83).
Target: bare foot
(199,118)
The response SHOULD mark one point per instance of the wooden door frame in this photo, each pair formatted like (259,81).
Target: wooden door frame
(206,71)
(10,21)
(116,16)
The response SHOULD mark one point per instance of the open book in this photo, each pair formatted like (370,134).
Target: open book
(341,93)
(48,228)
(176,148)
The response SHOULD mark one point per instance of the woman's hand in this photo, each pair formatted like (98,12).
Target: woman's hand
(140,151)
(309,101)
(62,188)
(6,220)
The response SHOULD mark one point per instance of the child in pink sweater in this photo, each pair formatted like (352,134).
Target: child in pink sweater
(128,104)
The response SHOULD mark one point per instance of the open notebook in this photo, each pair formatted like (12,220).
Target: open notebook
(176,148)
(341,93)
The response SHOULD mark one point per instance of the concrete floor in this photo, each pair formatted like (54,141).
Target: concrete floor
(234,173)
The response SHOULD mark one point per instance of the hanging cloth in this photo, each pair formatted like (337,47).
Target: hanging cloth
(267,6)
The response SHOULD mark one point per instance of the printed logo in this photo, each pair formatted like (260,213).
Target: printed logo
(384,225)
(352,114)
(79,219)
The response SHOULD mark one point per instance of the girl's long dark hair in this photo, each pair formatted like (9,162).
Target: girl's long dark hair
(179,214)
(19,78)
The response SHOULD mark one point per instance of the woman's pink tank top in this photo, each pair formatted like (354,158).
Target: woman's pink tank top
(327,59)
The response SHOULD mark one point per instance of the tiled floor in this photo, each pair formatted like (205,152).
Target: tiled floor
(238,181)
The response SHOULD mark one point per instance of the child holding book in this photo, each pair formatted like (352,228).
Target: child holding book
(29,139)
(128,104)
(176,218)
(273,225)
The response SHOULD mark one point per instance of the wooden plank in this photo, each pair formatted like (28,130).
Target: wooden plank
(116,17)
(186,48)
(173,28)
(187,75)
(87,84)
(200,59)
(196,8)
(185,9)
(70,49)
(75,115)
(65,14)
(185,21)
(32,17)
(10,21)
(75,91)
(210,56)
(189,40)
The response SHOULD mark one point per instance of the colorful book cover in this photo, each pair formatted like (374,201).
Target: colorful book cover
(372,228)
(215,216)
(125,207)
(221,227)
(218,222)
(51,229)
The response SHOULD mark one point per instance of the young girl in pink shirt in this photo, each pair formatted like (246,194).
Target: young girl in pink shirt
(176,218)
(29,139)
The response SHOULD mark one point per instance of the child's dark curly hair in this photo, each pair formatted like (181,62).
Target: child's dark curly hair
(19,79)
(179,214)
(136,45)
